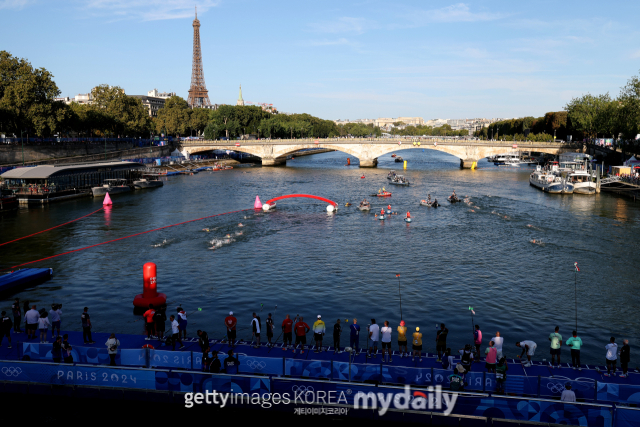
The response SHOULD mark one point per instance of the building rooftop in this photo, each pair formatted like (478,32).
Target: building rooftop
(46,171)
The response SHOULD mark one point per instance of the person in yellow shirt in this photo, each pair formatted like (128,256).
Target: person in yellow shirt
(417,344)
(319,330)
(402,338)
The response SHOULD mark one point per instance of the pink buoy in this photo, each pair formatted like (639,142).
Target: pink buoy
(257,204)
(107,200)
(150,294)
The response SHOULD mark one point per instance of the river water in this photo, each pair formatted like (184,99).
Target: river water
(344,265)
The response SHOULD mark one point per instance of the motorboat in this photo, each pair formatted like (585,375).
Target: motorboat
(432,204)
(384,194)
(582,182)
(391,175)
(111,186)
(8,200)
(399,180)
(393,155)
(399,159)
(499,159)
(364,206)
(550,182)
(147,183)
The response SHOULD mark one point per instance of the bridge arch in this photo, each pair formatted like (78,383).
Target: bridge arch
(309,196)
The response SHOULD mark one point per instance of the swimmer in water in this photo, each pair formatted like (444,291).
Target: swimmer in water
(228,235)
(240,225)
(205,229)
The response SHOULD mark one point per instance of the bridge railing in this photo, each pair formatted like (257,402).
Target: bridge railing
(422,141)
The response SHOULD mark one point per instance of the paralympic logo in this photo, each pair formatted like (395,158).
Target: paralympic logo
(11,371)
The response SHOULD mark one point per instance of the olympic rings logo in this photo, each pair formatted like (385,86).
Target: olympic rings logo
(11,371)
(555,387)
(256,365)
(302,388)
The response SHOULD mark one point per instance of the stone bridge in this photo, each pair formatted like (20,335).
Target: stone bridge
(367,150)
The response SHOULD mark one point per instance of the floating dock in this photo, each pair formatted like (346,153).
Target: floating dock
(20,279)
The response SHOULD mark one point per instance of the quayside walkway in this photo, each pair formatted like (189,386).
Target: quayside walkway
(531,393)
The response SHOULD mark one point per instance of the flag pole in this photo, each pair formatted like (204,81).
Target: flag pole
(400,294)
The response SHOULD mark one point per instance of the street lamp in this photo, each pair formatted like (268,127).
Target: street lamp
(22,141)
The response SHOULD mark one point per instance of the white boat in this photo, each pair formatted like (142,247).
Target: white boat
(506,157)
(399,180)
(582,182)
(549,182)
(111,186)
(147,183)
(364,206)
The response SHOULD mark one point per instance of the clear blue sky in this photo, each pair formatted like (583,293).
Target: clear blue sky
(339,59)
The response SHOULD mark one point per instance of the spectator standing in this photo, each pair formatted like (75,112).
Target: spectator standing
(230,323)
(256,326)
(501,374)
(56,350)
(86,326)
(55,317)
(456,380)
(625,358)
(337,331)
(31,320)
(214,366)
(354,335)
(5,328)
(612,356)
(497,342)
(402,339)
(417,345)
(568,395)
(287,327)
(175,331)
(203,341)
(182,322)
(66,348)
(466,357)
(319,329)
(43,325)
(112,348)
(160,319)
(386,332)
(17,315)
(441,341)
(575,343)
(150,322)
(477,340)
(556,344)
(301,329)
(269,324)
(374,335)
(492,356)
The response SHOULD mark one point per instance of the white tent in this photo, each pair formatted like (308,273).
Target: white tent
(632,161)
(176,153)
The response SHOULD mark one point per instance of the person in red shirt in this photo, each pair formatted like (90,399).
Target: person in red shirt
(150,323)
(230,323)
(301,329)
(287,325)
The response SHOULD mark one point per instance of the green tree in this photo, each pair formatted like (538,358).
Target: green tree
(587,111)
(629,109)
(26,97)
(173,117)
(198,119)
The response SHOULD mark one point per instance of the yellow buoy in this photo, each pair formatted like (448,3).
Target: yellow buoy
(473,165)
(405,164)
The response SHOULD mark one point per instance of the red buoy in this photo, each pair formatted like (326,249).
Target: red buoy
(150,294)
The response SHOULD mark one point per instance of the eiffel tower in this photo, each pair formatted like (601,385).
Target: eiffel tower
(198,93)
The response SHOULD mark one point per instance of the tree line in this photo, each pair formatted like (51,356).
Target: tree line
(420,130)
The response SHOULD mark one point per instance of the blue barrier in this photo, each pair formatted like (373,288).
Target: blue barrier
(362,372)
(620,393)
(627,417)
(406,375)
(170,359)
(553,387)
(308,368)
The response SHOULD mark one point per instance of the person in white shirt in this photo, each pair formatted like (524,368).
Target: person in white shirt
(255,326)
(43,325)
(612,356)
(175,331)
(528,347)
(568,395)
(374,334)
(497,343)
(112,348)
(55,317)
(386,340)
(31,320)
